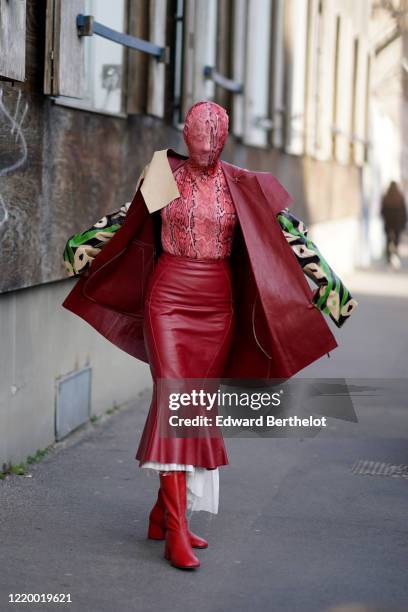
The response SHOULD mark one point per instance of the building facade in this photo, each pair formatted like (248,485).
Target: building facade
(80,115)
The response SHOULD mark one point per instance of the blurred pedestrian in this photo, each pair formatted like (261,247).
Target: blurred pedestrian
(394,213)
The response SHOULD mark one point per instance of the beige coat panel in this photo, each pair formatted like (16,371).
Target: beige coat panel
(159,185)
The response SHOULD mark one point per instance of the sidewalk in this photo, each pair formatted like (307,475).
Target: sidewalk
(297,530)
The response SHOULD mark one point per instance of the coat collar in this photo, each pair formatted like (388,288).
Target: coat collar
(159,186)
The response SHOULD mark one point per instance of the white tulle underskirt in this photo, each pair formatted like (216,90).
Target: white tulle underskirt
(202,484)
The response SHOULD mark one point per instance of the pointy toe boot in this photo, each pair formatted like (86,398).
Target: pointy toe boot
(157,525)
(178,548)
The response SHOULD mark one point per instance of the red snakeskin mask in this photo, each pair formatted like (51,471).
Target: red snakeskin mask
(205,132)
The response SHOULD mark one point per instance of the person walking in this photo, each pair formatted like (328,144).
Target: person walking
(202,277)
(394,213)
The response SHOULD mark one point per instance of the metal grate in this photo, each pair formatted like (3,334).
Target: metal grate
(73,402)
(376,468)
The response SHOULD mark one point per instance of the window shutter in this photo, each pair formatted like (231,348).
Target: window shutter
(188,57)
(295,69)
(157,70)
(325,82)
(137,62)
(239,33)
(224,49)
(343,92)
(360,110)
(256,100)
(64,49)
(204,48)
(200,30)
(277,75)
(312,80)
(12,40)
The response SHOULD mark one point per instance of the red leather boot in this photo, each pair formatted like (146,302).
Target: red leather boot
(157,525)
(178,548)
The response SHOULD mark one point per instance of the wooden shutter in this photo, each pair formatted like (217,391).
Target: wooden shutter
(326,84)
(277,76)
(137,62)
(224,49)
(256,99)
(12,39)
(188,56)
(295,70)
(64,49)
(200,31)
(344,92)
(239,34)
(157,70)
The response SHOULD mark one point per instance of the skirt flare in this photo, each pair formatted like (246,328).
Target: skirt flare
(188,329)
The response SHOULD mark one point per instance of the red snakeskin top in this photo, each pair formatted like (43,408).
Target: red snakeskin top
(200,223)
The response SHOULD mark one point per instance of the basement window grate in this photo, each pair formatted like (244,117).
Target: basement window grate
(73,402)
(377,468)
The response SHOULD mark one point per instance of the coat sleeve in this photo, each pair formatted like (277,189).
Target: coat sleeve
(331,296)
(81,249)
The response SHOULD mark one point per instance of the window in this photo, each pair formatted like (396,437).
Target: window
(102,62)
(208,56)
(194,48)
(94,73)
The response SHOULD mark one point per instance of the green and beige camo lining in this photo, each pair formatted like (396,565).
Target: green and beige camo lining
(81,249)
(331,296)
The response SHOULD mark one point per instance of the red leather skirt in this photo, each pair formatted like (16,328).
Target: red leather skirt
(188,328)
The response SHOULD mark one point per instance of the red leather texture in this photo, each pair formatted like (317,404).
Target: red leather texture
(188,328)
(158,524)
(178,546)
(278,330)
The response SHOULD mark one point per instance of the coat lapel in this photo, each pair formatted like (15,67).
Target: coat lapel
(159,187)
(279,331)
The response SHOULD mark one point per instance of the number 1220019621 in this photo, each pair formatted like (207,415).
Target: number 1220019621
(40,598)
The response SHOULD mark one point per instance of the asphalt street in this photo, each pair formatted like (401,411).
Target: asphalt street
(297,529)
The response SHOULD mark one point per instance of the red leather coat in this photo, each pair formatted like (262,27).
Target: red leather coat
(279,330)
